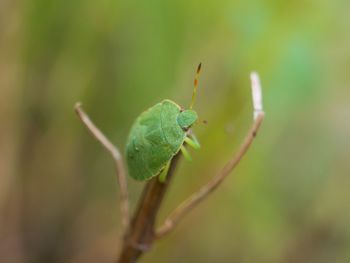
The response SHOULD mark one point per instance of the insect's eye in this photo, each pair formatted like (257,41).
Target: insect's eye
(186,118)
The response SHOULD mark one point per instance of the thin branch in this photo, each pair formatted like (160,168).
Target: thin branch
(117,157)
(175,217)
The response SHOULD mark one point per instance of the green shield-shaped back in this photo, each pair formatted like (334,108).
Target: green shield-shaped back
(154,139)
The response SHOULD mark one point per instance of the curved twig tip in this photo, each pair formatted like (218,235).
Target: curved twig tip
(256,94)
(77,105)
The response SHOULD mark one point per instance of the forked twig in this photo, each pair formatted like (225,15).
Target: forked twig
(174,218)
(117,157)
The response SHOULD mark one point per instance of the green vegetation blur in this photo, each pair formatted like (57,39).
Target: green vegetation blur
(288,201)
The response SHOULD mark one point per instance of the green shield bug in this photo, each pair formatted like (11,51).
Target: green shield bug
(158,134)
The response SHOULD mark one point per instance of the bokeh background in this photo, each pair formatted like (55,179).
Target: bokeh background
(289,199)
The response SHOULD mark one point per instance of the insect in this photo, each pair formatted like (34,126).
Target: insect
(158,134)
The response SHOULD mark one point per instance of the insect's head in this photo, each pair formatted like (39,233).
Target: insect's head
(187,118)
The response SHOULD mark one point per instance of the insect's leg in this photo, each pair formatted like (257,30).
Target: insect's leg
(163,173)
(193,142)
(185,153)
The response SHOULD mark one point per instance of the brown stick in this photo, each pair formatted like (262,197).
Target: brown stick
(117,157)
(141,234)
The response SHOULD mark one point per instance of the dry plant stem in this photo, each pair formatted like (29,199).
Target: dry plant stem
(175,217)
(117,157)
(141,234)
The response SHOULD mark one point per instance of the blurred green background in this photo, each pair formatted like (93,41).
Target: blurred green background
(289,199)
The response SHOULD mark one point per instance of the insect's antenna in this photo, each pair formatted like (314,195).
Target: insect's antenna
(194,94)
